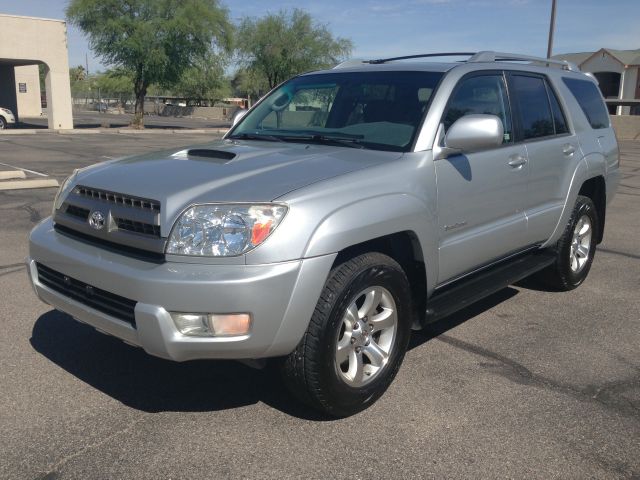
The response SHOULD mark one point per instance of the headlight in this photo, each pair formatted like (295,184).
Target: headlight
(64,190)
(223,230)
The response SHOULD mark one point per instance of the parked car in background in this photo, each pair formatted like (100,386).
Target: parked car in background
(6,118)
(344,210)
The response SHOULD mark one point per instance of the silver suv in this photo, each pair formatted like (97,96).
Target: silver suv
(345,209)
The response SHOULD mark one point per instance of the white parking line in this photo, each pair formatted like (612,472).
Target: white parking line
(25,170)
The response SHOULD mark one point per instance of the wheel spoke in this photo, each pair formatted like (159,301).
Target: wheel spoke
(582,251)
(351,316)
(385,319)
(584,229)
(574,262)
(344,349)
(371,302)
(375,354)
(356,367)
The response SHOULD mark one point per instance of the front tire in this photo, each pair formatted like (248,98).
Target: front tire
(356,339)
(3,123)
(575,249)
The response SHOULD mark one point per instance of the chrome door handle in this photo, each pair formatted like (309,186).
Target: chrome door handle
(568,149)
(517,161)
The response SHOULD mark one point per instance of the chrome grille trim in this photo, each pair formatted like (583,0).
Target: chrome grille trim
(117,198)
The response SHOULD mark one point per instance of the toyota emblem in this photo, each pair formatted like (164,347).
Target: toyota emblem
(96,220)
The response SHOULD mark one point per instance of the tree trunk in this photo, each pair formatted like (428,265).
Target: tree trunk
(138,116)
(140,90)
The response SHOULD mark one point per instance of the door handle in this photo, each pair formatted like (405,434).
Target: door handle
(568,149)
(517,161)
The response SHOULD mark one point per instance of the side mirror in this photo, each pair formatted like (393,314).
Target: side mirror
(473,133)
(238,115)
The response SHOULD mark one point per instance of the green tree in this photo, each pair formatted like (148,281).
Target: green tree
(77,74)
(205,80)
(154,41)
(276,47)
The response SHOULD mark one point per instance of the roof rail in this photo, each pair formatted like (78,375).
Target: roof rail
(422,55)
(489,56)
(354,62)
(484,56)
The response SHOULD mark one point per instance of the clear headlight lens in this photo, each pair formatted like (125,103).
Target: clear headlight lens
(64,190)
(223,230)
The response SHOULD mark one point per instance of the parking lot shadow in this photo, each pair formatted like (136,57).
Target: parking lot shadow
(151,384)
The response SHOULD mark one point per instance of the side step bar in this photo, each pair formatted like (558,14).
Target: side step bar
(477,286)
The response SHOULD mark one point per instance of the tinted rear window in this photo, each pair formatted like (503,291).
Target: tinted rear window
(590,100)
(533,106)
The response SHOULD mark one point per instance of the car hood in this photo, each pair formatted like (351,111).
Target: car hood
(226,171)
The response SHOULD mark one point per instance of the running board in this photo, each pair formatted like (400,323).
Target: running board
(477,286)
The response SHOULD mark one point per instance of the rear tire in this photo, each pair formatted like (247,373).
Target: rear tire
(575,249)
(356,339)
(3,123)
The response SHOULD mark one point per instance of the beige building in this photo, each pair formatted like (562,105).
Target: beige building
(616,71)
(26,43)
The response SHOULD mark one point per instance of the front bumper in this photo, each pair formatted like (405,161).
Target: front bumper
(280,297)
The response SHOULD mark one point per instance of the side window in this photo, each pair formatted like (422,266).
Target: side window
(485,94)
(533,109)
(590,100)
(558,117)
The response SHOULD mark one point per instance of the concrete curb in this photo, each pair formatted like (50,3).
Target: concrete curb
(12,174)
(27,184)
(26,131)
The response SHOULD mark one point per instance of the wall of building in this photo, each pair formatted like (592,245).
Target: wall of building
(602,62)
(28,91)
(30,41)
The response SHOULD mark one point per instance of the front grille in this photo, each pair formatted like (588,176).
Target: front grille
(118,198)
(75,211)
(114,305)
(138,227)
(133,223)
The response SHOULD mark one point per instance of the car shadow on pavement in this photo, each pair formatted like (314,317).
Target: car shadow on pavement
(151,384)
(452,321)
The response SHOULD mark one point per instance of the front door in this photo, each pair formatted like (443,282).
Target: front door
(481,196)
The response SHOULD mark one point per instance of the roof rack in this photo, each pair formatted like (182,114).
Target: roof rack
(489,56)
(422,55)
(484,56)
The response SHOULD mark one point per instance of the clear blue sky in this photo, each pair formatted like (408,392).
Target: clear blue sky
(395,27)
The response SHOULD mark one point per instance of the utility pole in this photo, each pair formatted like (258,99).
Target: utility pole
(552,27)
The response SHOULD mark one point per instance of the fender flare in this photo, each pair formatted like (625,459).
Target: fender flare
(590,166)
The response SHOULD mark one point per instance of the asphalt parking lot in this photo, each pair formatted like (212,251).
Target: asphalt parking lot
(526,384)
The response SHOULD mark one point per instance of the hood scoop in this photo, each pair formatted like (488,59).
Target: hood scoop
(218,156)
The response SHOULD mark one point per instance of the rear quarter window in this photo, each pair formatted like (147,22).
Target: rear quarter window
(590,101)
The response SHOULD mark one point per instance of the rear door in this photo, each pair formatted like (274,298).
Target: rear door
(481,195)
(552,150)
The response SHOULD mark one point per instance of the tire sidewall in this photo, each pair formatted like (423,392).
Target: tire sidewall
(350,399)
(584,207)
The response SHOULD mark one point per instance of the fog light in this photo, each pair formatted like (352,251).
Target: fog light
(234,324)
(212,325)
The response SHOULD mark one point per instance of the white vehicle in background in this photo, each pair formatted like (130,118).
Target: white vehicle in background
(6,118)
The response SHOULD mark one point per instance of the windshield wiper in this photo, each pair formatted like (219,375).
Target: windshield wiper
(256,136)
(347,141)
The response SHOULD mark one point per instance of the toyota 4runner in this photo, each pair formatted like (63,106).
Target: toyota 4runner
(346,208)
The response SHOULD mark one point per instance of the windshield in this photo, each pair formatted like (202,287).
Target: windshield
(376,110)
